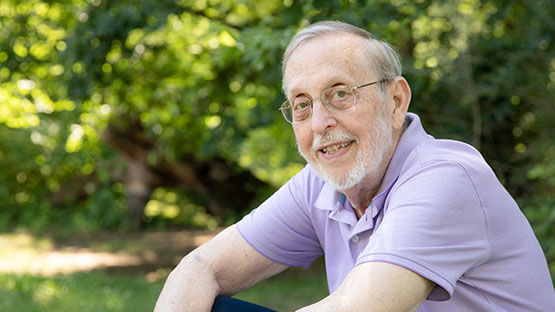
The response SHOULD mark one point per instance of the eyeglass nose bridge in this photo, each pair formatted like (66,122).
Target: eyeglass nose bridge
(323,116)
(324,103)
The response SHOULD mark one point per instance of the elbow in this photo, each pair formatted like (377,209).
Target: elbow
(191,286)
(191,272)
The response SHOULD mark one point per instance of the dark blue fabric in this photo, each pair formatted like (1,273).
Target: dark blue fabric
(227,304)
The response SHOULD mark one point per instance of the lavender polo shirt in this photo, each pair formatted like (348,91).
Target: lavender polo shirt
(440,212)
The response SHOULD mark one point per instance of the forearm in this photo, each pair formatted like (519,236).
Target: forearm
(224,265)
(376,286)
(189,287)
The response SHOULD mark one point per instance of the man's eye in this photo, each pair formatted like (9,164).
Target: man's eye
(338,95)
(300,106)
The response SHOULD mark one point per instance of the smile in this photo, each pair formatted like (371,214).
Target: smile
(332,149)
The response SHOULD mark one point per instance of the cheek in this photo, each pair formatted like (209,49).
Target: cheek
(304,139)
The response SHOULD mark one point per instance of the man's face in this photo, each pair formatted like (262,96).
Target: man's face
(342,147)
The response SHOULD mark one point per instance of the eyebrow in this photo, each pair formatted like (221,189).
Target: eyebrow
(331,82)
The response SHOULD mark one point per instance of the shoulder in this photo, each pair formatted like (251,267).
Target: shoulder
(446,156)
(444,177)
(449,150)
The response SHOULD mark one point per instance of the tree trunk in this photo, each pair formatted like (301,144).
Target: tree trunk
(224,188)
(139,185)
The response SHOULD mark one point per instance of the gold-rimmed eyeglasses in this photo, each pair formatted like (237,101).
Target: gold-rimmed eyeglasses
(337,98)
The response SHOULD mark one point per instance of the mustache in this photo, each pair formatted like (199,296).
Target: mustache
(330,137)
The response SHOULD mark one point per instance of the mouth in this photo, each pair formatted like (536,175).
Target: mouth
(334,148)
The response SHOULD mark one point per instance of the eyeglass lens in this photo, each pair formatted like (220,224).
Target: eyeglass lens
(335,98)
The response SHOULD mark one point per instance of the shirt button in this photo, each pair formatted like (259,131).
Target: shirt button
(355,239)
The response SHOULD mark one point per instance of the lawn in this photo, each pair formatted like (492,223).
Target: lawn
(97,291)
(39,273)
(290,290)
(77,292)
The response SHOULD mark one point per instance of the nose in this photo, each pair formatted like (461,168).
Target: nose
(322,118)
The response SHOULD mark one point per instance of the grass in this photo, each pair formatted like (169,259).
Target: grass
(290,290)
(125,287)
(98,291)
(92,291)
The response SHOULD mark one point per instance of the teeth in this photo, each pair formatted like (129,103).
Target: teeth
(334,148)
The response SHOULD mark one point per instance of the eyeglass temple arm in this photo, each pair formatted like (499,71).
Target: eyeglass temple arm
(371,83)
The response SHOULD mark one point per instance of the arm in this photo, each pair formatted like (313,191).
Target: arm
(225,265)
(377,286)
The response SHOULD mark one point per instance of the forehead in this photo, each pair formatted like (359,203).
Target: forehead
(326,60)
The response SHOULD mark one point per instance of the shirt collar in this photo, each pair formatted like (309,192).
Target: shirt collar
(327,197)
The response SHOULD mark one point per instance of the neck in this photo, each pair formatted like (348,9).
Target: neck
(361,195)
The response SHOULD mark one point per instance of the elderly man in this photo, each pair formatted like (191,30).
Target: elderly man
(406,222)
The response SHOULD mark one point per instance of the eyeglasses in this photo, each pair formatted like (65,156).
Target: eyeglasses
(335,99)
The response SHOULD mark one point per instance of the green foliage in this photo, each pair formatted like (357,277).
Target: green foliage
(541,215)
(200,80)
(168,206)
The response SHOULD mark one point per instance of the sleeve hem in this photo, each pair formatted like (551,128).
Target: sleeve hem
(442,292)
(266,253)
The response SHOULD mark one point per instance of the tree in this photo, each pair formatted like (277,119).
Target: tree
(105,103)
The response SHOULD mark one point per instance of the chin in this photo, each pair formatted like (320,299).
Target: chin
(341,182)
(343,179)
(365,165)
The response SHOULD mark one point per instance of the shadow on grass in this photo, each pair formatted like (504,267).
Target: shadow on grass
(23,252)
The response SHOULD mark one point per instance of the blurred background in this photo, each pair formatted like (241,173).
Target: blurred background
(124,120)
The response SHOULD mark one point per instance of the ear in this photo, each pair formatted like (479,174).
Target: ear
(400,95)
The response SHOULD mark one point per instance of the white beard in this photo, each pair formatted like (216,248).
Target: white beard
(368,160)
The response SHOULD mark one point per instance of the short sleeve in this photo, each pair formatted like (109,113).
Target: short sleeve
(281,228)
(433,224)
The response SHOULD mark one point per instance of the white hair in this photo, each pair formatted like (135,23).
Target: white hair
(381,58)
